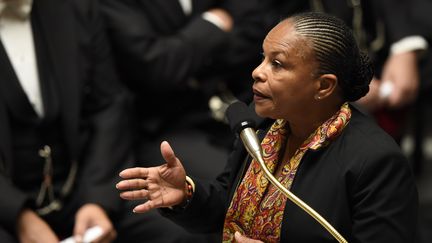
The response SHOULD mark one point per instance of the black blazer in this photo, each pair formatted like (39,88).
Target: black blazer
(182,60)
(160,49)
(91,99)
(361,184)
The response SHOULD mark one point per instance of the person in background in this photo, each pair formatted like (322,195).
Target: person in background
(64,132)
(315,142)
(422,21)
(184,61)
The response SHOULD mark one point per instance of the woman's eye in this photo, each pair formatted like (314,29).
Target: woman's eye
(276,64)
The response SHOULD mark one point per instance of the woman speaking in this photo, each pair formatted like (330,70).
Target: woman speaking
(317,145)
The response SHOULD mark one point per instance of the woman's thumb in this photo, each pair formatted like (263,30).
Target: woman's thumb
(168,154)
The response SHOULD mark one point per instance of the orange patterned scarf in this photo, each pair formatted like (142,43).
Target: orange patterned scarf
(256,210)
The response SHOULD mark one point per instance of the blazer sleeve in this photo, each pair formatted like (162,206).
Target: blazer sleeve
(11,203)
(385,201)
(396,27)
(104,124)
(12,199)
(206,211)
(214,197)
(155,57)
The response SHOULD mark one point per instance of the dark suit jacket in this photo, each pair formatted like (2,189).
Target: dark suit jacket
(93,127)
(361,184)
(182,59)
(421,19)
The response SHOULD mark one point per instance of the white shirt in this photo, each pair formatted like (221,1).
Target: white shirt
(17,37)
(409,43)
(186,6)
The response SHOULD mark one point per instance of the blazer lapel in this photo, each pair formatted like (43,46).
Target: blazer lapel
(10,88)
(57,26)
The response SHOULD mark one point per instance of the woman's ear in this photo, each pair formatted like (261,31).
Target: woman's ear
(326,86)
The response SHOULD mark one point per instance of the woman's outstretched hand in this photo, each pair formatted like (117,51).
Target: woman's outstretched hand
(161,186)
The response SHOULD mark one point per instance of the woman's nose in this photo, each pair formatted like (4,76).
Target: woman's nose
(258,73)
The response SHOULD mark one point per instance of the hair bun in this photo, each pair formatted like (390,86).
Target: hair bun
(361,79)
(366,71)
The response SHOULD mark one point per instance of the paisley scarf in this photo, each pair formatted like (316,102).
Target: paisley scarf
(257,207)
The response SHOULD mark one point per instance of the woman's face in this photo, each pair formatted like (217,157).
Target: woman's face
(284,83)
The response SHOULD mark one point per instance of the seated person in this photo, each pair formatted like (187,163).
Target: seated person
(64,134)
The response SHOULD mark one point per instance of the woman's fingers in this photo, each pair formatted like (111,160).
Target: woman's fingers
(132,184)
(135,194)
(137,172)
(144,207)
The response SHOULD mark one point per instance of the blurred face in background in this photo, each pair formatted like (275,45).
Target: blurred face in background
(284,83)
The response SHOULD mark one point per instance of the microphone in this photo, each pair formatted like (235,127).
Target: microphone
(242,123)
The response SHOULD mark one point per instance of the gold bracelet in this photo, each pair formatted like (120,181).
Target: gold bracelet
(191,182)
(189,190)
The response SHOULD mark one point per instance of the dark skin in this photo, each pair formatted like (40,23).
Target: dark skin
(285,87)
(285,79)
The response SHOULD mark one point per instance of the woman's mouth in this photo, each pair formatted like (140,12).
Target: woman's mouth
(259,96)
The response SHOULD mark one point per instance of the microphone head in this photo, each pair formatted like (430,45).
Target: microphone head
(239,117)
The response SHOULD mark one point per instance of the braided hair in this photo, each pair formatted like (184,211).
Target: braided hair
(336,52)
